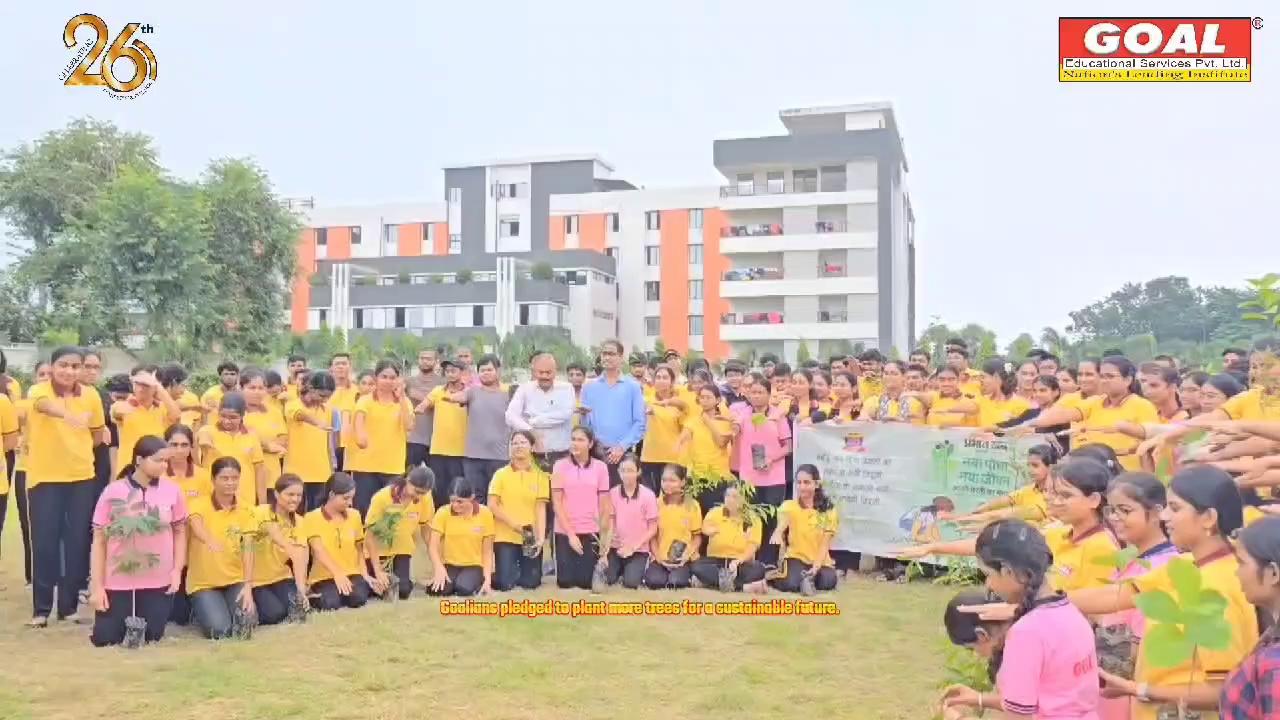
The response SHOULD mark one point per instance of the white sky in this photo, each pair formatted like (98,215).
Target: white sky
(1033,198)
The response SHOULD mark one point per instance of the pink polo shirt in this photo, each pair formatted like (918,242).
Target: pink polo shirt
(582,488)
(1119,708)
(774,434)
(165,497)
(631,516)
(1050,666)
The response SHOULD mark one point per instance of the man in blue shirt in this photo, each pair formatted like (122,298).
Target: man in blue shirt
(614,408)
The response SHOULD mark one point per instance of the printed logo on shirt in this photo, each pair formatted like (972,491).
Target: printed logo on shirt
(1082,667)
(1155,49)
(130,79)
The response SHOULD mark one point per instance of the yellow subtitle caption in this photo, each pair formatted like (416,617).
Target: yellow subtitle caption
(647,608)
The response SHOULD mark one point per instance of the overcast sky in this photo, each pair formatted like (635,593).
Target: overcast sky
(1033,198)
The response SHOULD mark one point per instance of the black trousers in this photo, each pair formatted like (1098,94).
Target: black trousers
(416,454)
(464,580)
(313,496)
(402,566)
(446,468)
(707,570)
(24,518)
(181,612)
(152,605)
(273,601)
(651,476)
(825,579)
(368,483)
(61,520)
(772,495)
(660,577)
(479,473)
(574,570)
(630,570)
(328,597)
(512,568)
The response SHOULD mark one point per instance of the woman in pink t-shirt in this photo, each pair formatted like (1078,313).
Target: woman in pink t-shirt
(136,573)
(762,443)
(580,497)
(632,523)
(1049,667)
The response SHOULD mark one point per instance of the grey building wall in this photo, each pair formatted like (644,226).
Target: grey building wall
(556,178)
(471,293)
(474,194)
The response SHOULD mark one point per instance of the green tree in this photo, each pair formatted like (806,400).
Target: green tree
(1165,308)
(980,340)
(802,353)
(1020,346)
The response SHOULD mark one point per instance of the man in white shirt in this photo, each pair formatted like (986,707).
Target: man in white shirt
(544,406)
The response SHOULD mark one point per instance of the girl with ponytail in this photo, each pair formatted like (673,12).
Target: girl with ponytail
(1048,666)
(1252,690)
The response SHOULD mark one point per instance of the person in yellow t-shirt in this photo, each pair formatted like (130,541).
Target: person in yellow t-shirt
(308,421)
(679,537)
(461,546)
(339,576)
(970,379)
(448,430)
(66,421)
(280,554)
(341,404)
(390,539)
(705,441)
(1205,538)
(276,395)
(219,570)
(43,371)
(264,421)
(518,498)
(806,526)
(844,403)
(150,410)
(894,403)
(228,381)
(192,478)
(382,421)
(733,537)
(227,436)
(9,430)
(1099,415)
(945,405)
(666,417)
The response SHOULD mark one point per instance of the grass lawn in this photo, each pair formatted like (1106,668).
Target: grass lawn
(880,658)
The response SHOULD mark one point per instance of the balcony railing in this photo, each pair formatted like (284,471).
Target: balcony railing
(768,229)
(828,270)
(833,316)
(783,187)
(752,273)
(759,318)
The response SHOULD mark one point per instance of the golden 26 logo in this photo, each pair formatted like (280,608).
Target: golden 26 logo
(102,47)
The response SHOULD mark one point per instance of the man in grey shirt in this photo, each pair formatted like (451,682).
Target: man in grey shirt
(545,407)
(488,439)
(418,387)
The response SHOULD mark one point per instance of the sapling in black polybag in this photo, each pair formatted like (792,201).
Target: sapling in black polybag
(297,609)
(242,622)
(135,632)
(807,588)
(598,581)
(529,543)
(676,552)
(726,578)
(1117,649)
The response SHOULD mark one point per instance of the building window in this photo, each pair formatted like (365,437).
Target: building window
(524,314)
(651,256)
(455,194)
(322,236)
(487,317)
(444,316)
(746,184)
(695,289)
(602,314)
(652,291)
(400,320)
(386,280)
(695,254)
(455,244)
(355,235)
(805,180)
(477,315)
(611,252)
(570,224)
(509,227)
(652,326)
(389,239)
(613,222)
(775,181)
(506,190)
(357,318)
(653,220)
(695,324)
(695,219)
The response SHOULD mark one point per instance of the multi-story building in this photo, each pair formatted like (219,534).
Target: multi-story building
(811,243)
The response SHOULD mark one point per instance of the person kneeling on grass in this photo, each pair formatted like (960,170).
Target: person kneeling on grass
(632,522)
(410,497)
(280,555)
(116,592)
(806,525)
(339,576)
(679,534)
(461,546)
(733,536)
(518,499)
(984,637)
(219,569)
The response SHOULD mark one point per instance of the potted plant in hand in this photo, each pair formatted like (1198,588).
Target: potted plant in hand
(1116,644)
(131,519)
(242,622)
(384,532)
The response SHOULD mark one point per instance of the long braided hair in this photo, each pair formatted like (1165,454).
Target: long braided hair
(1019,547)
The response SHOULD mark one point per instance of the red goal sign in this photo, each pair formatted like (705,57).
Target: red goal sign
(1155,49)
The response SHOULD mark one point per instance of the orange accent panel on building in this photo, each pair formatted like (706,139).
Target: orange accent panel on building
(555,233)
(338,240)
(591,232)
(441,245)
(673,261)
(409,239)
(302,280)
(714,265)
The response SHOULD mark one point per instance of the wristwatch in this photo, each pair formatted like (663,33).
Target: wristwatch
(1141,692)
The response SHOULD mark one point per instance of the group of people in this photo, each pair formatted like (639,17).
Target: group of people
(270,495)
